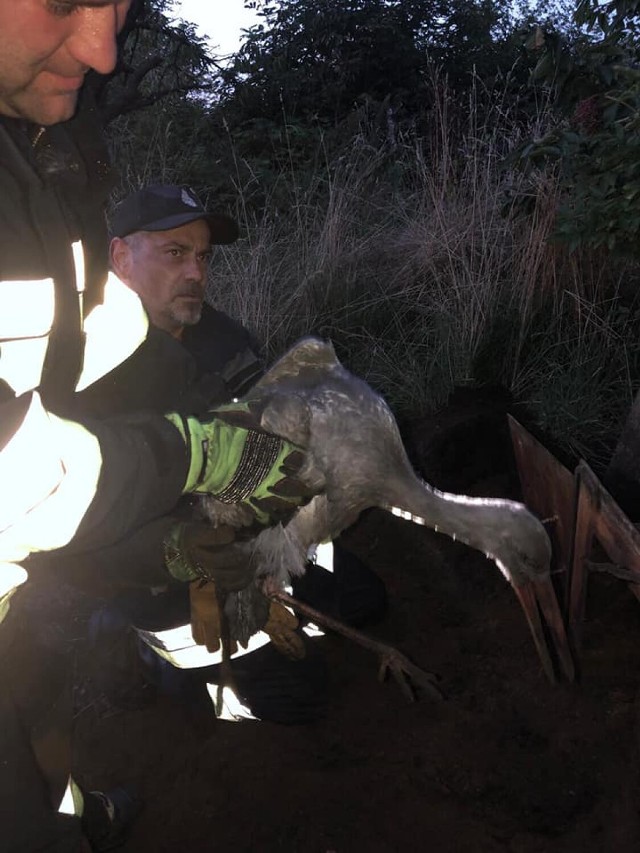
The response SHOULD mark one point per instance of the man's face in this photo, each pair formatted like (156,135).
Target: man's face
(47,47)
(168,271)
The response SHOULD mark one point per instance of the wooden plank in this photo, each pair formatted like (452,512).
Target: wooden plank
(616,533)
(598,516)
(579,574)
(549,490)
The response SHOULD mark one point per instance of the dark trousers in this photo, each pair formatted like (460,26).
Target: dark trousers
(35,737)
(352,593)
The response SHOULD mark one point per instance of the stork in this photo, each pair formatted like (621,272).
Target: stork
(357,457)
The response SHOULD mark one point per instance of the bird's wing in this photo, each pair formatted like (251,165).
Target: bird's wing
(309,358)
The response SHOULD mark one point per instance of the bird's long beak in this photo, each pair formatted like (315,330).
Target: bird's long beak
(544,617)
(507,533)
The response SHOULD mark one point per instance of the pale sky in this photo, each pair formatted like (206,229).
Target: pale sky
(219,20)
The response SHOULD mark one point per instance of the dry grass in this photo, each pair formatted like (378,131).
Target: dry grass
(406,257)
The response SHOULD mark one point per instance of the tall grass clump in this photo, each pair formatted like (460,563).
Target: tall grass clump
(412,253)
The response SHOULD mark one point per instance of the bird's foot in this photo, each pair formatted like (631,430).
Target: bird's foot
(403,670)
(406,673)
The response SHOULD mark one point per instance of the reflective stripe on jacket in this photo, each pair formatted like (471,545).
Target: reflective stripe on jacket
(45,503)
(90,482)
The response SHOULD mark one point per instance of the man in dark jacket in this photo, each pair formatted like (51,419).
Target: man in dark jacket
(201,357)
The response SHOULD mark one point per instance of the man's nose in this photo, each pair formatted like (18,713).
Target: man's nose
(93,40)
(195,269)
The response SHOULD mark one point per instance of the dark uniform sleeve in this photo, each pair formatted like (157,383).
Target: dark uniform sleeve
(160,376)
(226,356)
(143,473)
(137,560)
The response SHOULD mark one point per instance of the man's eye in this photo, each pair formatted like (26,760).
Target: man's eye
(175,253)
(205,256)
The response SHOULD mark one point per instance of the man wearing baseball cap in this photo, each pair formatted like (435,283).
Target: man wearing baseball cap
(160,248)
(161,245)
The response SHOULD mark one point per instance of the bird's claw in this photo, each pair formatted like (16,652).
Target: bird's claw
(406,674)
(391,660)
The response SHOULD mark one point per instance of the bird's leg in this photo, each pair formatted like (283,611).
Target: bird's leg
(391,660)
(226,673)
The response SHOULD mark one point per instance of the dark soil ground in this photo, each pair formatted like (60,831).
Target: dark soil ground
(508,762)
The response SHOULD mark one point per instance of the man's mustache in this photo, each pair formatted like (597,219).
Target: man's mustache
(192,292)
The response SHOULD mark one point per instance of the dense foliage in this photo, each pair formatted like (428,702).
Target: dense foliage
(158,58)
(319,60)
(595,142)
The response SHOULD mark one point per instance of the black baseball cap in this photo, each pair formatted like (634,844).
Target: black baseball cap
(161,207)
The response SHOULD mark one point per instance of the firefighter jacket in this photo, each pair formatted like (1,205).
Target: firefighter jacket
(61,480)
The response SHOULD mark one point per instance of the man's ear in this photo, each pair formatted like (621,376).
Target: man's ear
(120,258)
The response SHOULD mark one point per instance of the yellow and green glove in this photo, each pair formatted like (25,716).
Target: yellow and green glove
(232,458)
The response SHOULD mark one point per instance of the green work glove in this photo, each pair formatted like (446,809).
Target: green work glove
(232,458)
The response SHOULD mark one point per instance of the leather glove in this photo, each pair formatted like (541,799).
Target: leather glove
(206,623)
(206,627)
(219,559)
(232,458)
(249,610)
(196,550)
(281,628)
